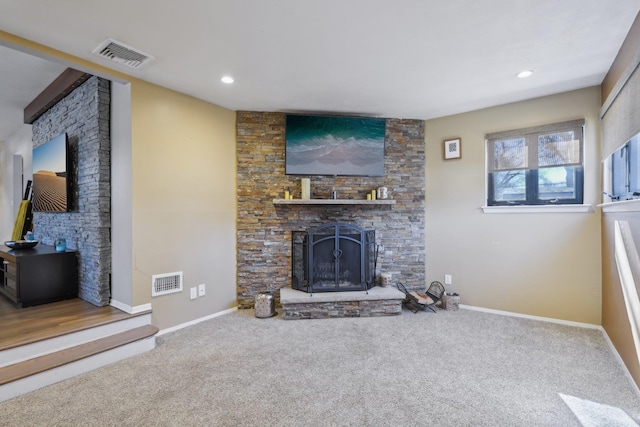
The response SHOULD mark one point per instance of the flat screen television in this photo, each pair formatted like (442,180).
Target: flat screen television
(50,183)
(334,145)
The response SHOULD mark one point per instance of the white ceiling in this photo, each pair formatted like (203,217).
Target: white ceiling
(402,58)
(22,78)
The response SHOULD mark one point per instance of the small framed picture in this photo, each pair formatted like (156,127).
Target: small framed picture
(452,149)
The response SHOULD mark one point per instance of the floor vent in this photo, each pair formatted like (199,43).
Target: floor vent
(167,283)
(121,53)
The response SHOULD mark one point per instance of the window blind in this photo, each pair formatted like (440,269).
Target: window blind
(620,115)
(557,144)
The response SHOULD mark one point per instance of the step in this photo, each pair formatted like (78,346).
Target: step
(20,353)
(38,372)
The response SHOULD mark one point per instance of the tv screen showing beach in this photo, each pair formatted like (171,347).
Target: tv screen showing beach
(50,176)
(328,145)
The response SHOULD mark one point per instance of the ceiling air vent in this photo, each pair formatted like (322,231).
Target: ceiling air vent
(167,283)
(122,53)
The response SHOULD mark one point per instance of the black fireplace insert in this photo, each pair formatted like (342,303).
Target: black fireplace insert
(333,257)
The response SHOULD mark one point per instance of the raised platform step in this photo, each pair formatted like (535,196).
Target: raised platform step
(32,374)
(53,360)
(67,338)
(378,301)
(45,344)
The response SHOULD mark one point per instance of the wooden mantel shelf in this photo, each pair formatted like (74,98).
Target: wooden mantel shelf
(332,202)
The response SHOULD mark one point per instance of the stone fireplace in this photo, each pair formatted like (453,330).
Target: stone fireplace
(333,257)
(265,228)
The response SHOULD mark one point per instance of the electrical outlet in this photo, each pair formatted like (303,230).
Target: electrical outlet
(194,293)
(201,290)
(447,279)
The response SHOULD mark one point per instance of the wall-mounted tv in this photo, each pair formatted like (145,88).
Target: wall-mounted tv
(50,184)
(333,145)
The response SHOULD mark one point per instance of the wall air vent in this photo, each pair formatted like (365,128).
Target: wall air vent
(122,53)
(167,283)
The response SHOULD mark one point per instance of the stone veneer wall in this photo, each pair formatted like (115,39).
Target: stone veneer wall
(84,115)
(264,229)
(338,309)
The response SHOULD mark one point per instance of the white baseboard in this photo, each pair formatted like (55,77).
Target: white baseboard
(621,362)
(130,309)
(528,316)
(196,321)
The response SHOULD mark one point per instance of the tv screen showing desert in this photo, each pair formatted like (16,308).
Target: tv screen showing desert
(50,176)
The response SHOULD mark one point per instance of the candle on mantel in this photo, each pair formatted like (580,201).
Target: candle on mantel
(305,184)
(286,194)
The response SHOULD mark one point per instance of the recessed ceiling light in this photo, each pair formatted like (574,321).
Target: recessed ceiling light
(524,74)
(227,79)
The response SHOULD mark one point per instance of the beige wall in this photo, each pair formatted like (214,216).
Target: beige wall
(184,208)
(183,193)
(615,319)
(625,56)
(543,264)
(18,143)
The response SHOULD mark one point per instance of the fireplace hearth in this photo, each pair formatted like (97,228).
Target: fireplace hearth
(333,257)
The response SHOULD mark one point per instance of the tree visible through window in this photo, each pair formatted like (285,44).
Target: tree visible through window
(536,166)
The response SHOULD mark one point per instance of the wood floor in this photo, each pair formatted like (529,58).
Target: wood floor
(20,326)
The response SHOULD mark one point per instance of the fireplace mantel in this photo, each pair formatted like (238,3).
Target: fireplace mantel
(332,202)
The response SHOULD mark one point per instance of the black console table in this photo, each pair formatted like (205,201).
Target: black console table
(38,275)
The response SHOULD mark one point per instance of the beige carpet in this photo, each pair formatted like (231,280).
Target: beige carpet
(461,368)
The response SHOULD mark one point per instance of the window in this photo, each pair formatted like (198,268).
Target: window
(625,180)
(536,166)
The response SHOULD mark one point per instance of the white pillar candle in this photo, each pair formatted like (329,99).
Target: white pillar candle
(305,184)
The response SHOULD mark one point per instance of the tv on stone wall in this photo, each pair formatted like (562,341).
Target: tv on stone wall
(334,145)
(50,184)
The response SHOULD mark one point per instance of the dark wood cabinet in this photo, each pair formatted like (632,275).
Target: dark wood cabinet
(38,275)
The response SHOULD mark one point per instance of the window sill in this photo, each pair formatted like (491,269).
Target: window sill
(537,209)
(621,206)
